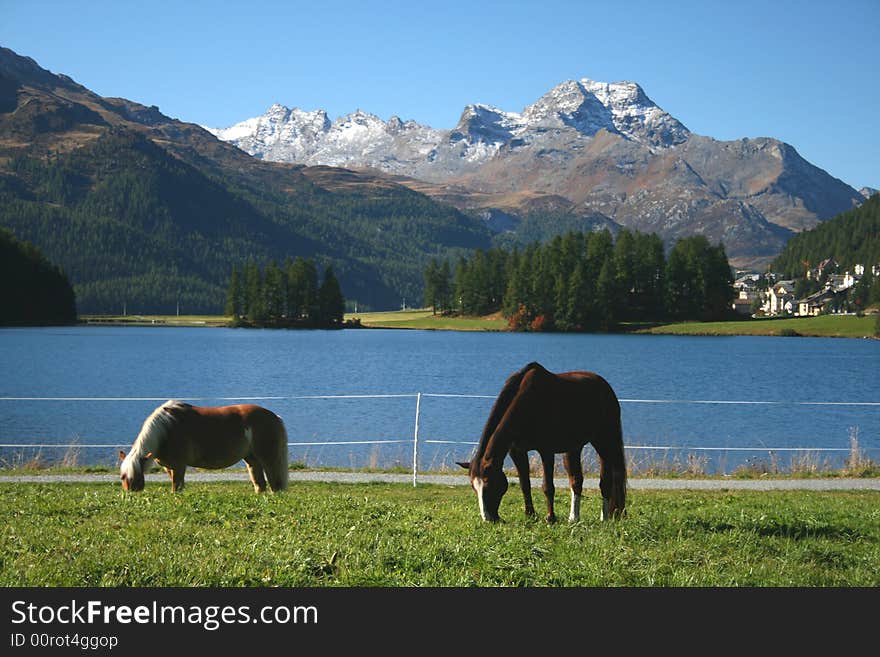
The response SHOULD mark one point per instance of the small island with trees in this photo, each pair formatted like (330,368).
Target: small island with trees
(287,296)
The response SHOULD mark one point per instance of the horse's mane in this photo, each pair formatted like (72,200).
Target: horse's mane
(154,430)
(502,403)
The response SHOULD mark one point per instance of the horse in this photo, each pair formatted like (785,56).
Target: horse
(177,435)
(551,414)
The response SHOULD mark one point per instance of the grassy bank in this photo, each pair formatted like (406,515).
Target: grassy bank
(831,326)
(320,534)
(843,326)
(425,319)
(155,320)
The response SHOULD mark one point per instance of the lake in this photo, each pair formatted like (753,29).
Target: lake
(725,401)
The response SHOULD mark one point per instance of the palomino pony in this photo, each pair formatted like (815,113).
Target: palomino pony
(551,414)
(178,434)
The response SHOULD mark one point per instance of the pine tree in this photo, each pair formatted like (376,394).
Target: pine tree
(605,301)
(233,295)
(253,290)
(443,287)
(331,303)
(274,291)
(580,297)
(302,289)
(430,293)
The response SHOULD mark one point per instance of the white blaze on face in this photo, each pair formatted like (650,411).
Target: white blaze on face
(127,467)
(479,487)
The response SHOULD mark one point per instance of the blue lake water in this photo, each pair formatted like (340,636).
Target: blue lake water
(95,385)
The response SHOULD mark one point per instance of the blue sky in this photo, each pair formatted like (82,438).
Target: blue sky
(804,72)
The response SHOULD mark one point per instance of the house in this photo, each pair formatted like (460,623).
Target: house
(849,280)
(742,306)
(815,303)
(745,297)
(780,299)
(747,281)
(826,265)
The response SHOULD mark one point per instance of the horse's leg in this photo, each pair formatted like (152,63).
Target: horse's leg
(521,461)
(575,470)
(255,470)
(547,459)
(177,476)
(605,475)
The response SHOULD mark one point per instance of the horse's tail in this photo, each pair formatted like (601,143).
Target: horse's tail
(502,403)
(617,460)
(278,472)
(614,463)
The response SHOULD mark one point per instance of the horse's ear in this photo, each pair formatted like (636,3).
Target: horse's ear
(465,464)
(121,455)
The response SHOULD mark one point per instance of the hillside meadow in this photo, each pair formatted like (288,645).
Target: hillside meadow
(393,535)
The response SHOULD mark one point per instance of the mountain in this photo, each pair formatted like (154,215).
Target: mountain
(144,211)
(593,153)
(362,139)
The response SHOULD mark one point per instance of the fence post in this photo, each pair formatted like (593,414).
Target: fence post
(416,439)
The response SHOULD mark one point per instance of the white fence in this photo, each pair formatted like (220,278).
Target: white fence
(417,440)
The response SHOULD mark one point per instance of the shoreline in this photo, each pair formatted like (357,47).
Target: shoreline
(825,326)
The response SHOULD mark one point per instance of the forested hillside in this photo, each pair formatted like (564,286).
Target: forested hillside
(144,212)
(850,238)
(33,291)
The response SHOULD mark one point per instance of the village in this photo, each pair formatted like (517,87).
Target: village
(822,290)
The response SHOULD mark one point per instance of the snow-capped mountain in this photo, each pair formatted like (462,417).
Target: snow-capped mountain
(357,139)
(586,150)
(360,139)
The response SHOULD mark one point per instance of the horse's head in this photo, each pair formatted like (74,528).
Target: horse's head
(489,483)
(131,471)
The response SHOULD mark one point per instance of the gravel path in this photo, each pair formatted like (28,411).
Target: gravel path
(462,480)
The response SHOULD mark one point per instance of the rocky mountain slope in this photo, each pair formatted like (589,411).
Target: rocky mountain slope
(597,153)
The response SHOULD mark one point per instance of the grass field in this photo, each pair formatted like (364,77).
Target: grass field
(425,319)
(834,326)
(320,534)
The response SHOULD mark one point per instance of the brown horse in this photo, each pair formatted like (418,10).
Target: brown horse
(178,434)
(551,414)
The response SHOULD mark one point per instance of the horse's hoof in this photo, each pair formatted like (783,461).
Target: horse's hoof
(551,519)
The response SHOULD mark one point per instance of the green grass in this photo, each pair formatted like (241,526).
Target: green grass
(319,534)
(425,319)
(834,326)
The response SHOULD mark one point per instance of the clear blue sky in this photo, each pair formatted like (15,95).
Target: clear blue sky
(804,72)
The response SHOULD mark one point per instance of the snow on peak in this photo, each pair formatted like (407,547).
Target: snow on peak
(577,107)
